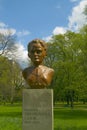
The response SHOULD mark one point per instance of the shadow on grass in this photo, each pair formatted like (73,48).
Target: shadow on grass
(9,110)
(11,114)
(70,114)
(72,128)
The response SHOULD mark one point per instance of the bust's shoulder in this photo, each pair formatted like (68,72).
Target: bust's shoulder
(26,71)
(47,69)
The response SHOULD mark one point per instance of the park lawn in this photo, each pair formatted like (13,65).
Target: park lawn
(70,119)
(64,118)
(11,117)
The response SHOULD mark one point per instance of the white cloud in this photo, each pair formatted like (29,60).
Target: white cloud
(59,30)
(23,33)
(2,25)
(21,55)
(77,18)
(18,54)
(6,31)
(74,0)
(48,38)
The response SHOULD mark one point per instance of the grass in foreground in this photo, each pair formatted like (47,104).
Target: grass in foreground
(70,119)
(64,118)
(10,118)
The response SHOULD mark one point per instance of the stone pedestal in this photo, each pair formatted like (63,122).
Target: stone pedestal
(37,109)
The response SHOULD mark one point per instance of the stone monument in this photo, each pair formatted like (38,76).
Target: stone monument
(38,101)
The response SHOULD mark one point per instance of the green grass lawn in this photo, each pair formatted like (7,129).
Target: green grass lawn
(64,118)
(68,119)
(11,117)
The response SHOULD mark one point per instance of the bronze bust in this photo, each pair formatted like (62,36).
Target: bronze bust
(37,76)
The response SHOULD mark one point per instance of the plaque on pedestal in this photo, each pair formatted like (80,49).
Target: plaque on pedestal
(37,109)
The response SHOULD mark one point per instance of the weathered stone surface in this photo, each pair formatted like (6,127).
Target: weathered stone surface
(37,109)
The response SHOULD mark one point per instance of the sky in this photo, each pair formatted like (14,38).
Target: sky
(30,19)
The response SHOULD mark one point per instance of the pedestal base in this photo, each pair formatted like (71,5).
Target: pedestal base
(37,109)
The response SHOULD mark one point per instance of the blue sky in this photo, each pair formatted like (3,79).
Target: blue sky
(30,19)
(38,17)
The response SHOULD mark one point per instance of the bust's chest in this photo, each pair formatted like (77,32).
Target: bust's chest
(37,77)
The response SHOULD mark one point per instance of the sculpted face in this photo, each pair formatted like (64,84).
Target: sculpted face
(37,53)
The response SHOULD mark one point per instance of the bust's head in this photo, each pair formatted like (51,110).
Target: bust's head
(37,51)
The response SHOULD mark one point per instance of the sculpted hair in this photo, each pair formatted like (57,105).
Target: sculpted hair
(37,41)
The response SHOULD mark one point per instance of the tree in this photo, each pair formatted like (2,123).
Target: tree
(16,81)
(4,79)
(10,80)
(63,56)
(6,42)
(83,62)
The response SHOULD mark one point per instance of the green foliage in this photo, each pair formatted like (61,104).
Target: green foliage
(10,80)
(67,54)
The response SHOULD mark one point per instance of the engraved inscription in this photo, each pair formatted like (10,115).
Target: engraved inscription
(33,115)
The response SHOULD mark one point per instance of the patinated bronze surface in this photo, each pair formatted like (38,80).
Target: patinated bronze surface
(38,76)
